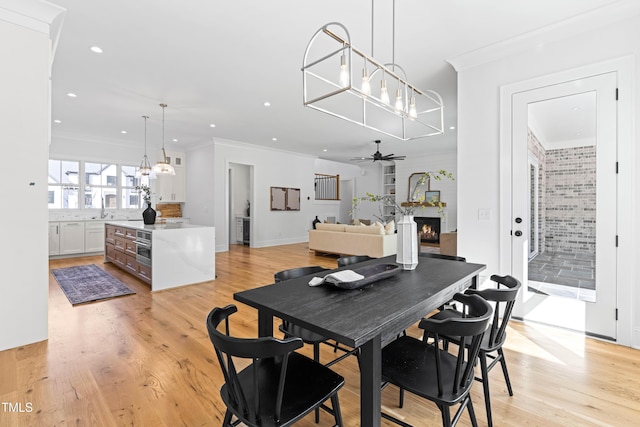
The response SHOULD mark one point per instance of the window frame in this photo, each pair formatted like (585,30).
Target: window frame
(121,187)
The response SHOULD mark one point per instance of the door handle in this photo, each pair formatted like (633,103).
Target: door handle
(518,233)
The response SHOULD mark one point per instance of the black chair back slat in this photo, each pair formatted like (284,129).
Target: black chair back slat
(352,259)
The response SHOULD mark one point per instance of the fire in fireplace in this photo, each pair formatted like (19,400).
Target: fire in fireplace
(428,229)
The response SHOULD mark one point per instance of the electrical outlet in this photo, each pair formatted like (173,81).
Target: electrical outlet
(484,214)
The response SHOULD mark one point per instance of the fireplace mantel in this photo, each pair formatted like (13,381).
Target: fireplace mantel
(423,204)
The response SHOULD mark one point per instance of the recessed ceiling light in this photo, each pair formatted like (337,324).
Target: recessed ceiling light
(212,125)
(175,140)
(95,49)
(57,121)
(123,131)
(452,127)
(267,104)
(325,150)
(71,95)
(274,139)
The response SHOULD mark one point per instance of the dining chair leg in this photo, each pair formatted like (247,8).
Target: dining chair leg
(401,398)
(472,412)
(503,363)
(446,415)
(335,404)
(227,419)
(485,387)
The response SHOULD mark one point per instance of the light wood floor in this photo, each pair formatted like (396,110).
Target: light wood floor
(146,360)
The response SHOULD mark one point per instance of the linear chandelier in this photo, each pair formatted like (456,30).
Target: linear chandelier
(328,86)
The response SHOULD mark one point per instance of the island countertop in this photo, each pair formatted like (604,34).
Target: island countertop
(139,225)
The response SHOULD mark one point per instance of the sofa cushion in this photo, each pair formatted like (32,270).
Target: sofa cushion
(365,229)
(330,227)
(390,227)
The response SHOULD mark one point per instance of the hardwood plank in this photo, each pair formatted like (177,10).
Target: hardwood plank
(146,359)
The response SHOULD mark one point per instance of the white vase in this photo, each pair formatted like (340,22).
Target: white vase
(407,255)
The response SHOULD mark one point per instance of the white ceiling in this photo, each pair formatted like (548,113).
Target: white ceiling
(220,61)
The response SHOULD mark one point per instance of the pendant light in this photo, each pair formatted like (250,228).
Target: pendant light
(145,166)
(163,167)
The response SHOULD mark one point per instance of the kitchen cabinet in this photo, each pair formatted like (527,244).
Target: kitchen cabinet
(71,237)
(54,238)
(120,249)
(171,188)
(94,236)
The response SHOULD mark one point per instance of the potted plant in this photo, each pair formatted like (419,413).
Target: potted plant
(407,253)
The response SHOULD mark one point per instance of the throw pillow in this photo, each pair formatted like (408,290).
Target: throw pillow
(390,227)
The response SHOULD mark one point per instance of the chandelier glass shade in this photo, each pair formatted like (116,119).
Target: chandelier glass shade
(163,166)
(145,167)
(328,86)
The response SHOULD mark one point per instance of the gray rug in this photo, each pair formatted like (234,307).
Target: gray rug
(87,283)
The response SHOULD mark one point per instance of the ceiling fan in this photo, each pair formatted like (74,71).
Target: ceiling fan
(379,156)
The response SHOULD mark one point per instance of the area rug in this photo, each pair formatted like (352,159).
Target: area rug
(88,283)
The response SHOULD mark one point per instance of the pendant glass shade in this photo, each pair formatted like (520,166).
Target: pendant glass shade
(145,167)
(344,71)
(366,87)
(399,106)
(384,94)
(163,166)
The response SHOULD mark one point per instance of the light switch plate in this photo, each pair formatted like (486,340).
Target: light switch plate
(484,214)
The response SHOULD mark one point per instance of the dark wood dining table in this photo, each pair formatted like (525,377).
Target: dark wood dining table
(369,317)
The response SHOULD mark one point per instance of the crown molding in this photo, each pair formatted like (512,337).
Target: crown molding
(37,15)
(573,26)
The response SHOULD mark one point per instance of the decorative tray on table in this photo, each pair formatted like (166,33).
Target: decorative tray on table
(357,277)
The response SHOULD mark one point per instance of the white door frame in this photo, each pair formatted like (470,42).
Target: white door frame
(627,248)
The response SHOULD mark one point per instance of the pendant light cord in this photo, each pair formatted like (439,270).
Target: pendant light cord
(393,37)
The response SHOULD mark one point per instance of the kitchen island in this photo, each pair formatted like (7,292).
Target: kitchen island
(163,255)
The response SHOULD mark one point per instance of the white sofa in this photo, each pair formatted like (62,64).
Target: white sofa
(372,240)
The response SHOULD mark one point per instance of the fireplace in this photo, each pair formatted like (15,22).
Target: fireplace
(428,229)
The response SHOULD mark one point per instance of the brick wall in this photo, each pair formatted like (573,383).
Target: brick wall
(567,197)
(570,194)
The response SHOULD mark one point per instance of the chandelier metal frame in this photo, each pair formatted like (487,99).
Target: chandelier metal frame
(421,113)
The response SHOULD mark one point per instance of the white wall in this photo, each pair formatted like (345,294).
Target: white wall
(271,168)
(482,171)
(201,192)
(25,111)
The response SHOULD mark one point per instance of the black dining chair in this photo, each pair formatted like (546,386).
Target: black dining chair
(352,259)
(278,387)
(428,370)
(503,297)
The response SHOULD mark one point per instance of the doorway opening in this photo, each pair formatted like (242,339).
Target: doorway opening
(240,196)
